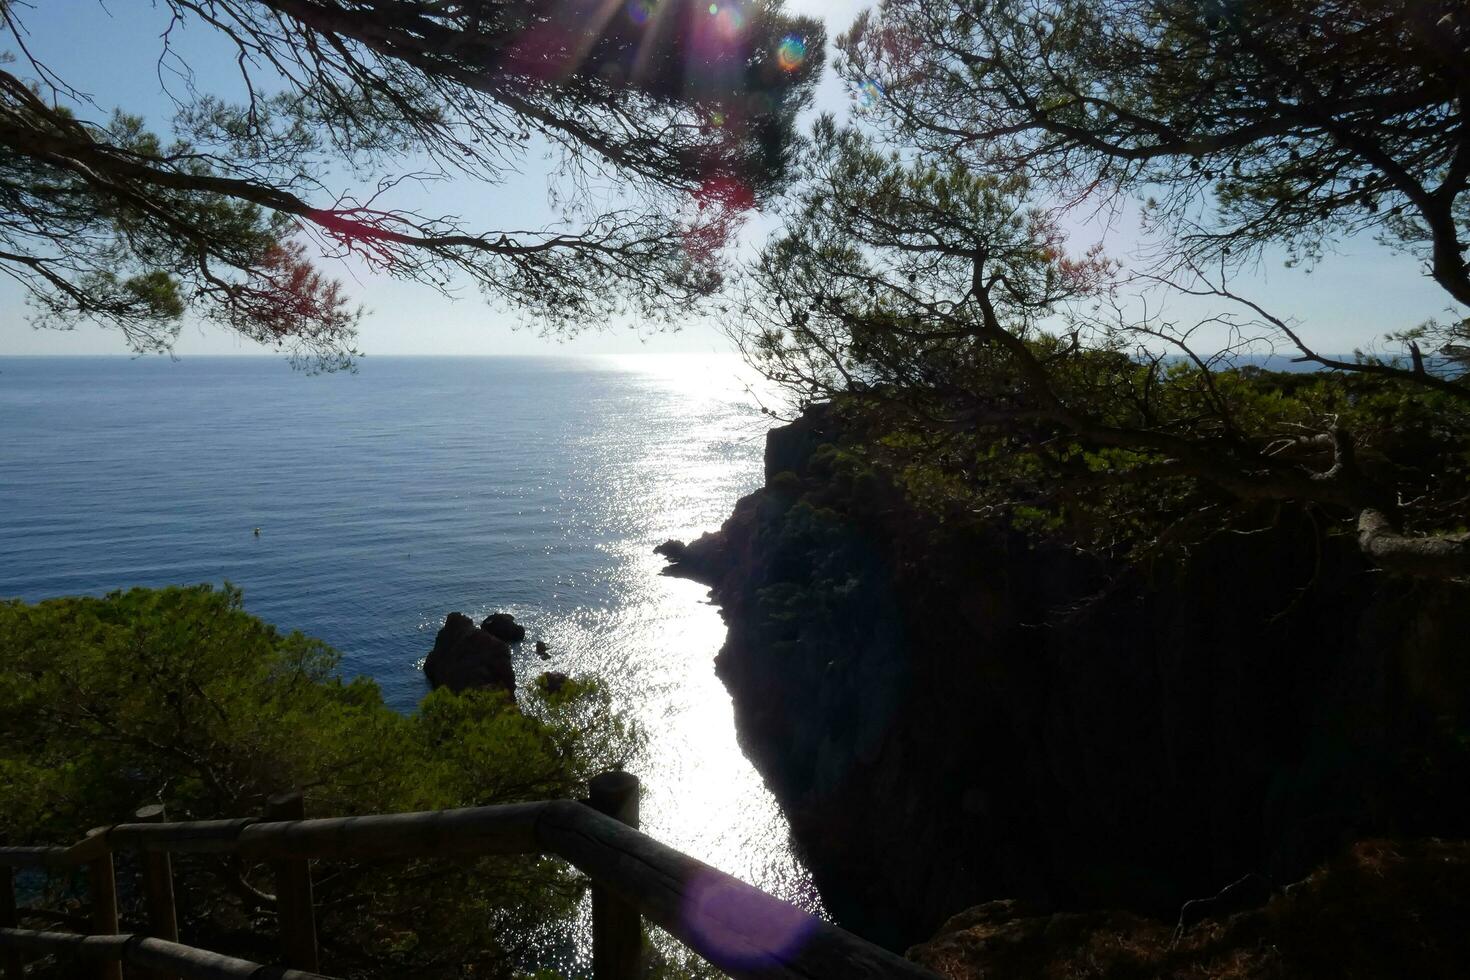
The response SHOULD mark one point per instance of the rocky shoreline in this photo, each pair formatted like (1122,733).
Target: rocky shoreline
(952,714)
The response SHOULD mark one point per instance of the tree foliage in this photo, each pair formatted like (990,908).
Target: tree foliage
(178,696)
(687,116)
(1255,121)
(921,275)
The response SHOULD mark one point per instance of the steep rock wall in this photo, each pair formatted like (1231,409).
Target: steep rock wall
(947,716)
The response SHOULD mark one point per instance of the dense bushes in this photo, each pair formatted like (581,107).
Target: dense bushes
(179,696)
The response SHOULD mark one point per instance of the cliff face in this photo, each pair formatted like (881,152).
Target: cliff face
(942,732)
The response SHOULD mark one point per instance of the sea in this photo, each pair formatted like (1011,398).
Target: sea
(389,497)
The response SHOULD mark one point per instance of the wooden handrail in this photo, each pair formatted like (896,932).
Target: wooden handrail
(158,890)
(102,881)
(737,927)
(295,909)
(9,958)
(617,933)
(505,829)
(147,953)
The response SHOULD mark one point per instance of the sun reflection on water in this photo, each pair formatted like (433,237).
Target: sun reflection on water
(654,646)
(534,486)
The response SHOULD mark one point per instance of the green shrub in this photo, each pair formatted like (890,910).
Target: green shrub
(179,696)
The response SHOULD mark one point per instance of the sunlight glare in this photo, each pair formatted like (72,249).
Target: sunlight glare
(730,21)
(639,11)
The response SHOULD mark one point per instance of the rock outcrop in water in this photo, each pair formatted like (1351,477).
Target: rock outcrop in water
(466,656)
(503,626)
(950,713)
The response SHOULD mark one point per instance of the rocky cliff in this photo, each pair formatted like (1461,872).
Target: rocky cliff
(952,713)
(1379,909)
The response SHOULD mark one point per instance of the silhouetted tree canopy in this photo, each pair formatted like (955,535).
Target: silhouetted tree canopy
(922,278)
(670,118)
(1253,121)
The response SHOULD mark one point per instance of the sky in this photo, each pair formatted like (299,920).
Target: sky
(111,51)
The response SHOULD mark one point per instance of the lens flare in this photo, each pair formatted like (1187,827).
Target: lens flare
(731,21)
(640,10)
(714,8)
(741,928)
(791,53)
(870,93)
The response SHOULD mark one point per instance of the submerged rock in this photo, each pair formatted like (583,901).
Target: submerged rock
(466,657)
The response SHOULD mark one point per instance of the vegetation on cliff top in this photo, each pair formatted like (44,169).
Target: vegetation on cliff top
(922,276)
(178,696)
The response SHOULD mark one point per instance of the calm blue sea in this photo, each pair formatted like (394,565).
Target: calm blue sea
(417,486)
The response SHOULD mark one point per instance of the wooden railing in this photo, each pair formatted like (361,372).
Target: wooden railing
(740,929)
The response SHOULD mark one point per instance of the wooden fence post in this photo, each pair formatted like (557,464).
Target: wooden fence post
(14,970)
(103,882)
(617,934)
(293,892)
(158,886)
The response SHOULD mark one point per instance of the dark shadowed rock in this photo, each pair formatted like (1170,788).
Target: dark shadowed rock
(541,650)
(700,559)
(1010,938)
(465,657)
(504,627)
(1383,909)
(673,549)
(456,625)
(1249,892)
(910,686)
